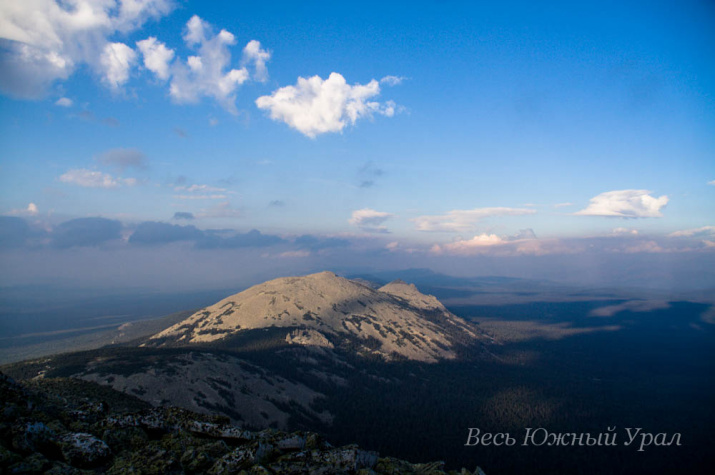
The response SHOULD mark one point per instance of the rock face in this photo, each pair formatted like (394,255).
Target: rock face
(394,321)
(41,432)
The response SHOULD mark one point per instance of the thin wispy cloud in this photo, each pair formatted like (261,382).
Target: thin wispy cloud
(625,204)
(94,179)
(464,220)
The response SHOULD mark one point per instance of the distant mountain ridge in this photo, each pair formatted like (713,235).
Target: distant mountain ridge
(394,321)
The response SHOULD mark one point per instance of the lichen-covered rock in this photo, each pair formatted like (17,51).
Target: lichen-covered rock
(84,450)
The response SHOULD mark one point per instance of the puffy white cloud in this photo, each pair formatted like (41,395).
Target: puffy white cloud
(315,106)
(116,60)
(562,205)
(625,204)
(207,73)
(94,179)
(46,40)
(464,220)
(64,102)
(253,53)
(370,220)
(711,182)
(157,57)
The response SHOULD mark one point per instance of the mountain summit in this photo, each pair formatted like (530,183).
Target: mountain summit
(395,321)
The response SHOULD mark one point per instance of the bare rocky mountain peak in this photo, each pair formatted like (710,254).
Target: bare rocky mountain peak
(396,320)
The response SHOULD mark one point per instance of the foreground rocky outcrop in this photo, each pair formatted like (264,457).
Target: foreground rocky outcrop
(62,426)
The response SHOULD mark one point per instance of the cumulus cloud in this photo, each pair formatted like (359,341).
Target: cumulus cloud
(315,106)
(122,158)
(84,232)
(44,41)
(157,57)
(207,73)
(64,102)
(625,204)
(94,179)
(116,61)
(464,220)
(253,53)
(370,220)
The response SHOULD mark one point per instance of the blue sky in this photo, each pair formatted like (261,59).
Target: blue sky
(422,131)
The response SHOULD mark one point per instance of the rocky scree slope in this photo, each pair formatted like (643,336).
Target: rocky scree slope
(61,426)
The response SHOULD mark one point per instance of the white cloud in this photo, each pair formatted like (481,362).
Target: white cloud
(625,204)
(46,40)
(705,231)
(624,231)
(157,56)
(64,102)
(711,182)
(562,205)
(94,179)
(392,80)
(315,106)
(464,220)
(116,60)
(524,242)
(31,210)
(253,53)
(207,74)
(370,220)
